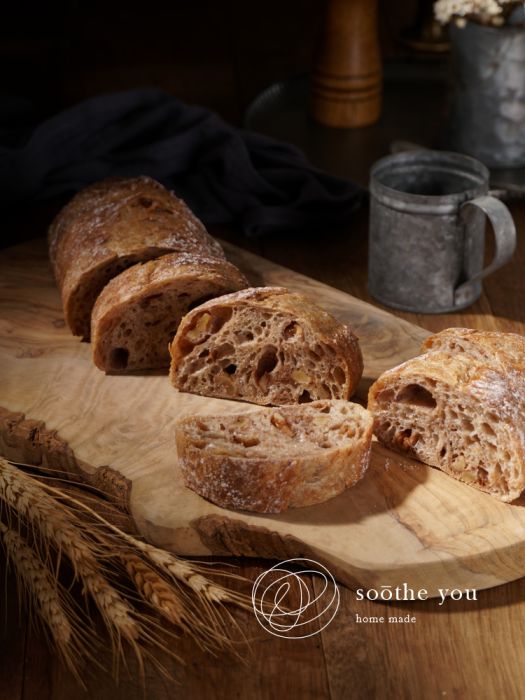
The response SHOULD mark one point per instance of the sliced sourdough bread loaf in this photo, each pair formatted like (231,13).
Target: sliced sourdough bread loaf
(138,312)
(272,459)
(110,226)
(266,346)
(459,407)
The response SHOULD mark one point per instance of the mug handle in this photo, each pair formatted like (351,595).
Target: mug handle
(504,234)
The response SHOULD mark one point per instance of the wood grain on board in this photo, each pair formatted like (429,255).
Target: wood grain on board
(403,522)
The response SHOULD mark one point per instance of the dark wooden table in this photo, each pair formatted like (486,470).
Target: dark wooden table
(461,649)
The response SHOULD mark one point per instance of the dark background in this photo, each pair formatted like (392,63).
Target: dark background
(219,54)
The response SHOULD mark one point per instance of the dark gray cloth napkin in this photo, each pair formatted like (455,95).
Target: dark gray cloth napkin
(226,175)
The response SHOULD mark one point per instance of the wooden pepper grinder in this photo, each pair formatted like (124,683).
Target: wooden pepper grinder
(345,86)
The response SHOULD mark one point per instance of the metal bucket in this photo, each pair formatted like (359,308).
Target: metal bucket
(487,118)
(427,231)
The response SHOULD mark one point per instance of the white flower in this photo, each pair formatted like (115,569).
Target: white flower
(482,11)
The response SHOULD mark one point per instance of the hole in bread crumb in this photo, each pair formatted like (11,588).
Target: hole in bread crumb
(488,429)
(230,369)
(325,409)
(466,424)
(267,363)
(305,396)
(325,391)
(219,318)
(246,440)
(292,330)
(243,336)
(146,302)
(222,351)
(339,375)
(443,452)
(416,395)
(482,475)
(118,358)
(406,439)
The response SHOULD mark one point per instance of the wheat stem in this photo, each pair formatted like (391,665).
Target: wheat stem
(53,523)
(46,595)
(100,552)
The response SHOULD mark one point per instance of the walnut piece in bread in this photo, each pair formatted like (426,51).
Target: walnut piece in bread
(111,225)
(138,312)
(459,407)
(272,459)
(267,346)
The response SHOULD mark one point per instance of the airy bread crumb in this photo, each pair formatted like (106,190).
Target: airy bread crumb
(459,407)
(267,346)
(272,459)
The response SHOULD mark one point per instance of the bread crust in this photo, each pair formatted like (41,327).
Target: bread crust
(275,303)
(282,478)
(503,351)
(459,407)
(110,226)
(188,276)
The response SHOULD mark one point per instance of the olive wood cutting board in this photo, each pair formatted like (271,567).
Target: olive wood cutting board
(403,523)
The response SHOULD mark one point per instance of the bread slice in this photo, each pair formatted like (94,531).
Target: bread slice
(110,226)
(266,346)
(459,407)
(272,459)
(138,312)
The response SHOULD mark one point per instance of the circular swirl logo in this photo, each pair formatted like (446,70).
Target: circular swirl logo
(284,604)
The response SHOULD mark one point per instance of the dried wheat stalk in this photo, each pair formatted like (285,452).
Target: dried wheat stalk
(55,526)
(203,599)
(159,571)
(39,583)
(100,555)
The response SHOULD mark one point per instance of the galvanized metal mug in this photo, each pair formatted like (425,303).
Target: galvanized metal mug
(427,231)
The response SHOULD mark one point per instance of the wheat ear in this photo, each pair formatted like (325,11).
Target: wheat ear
(208,597)
(52,603)
(188,598)
(170,586)
(53,524)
